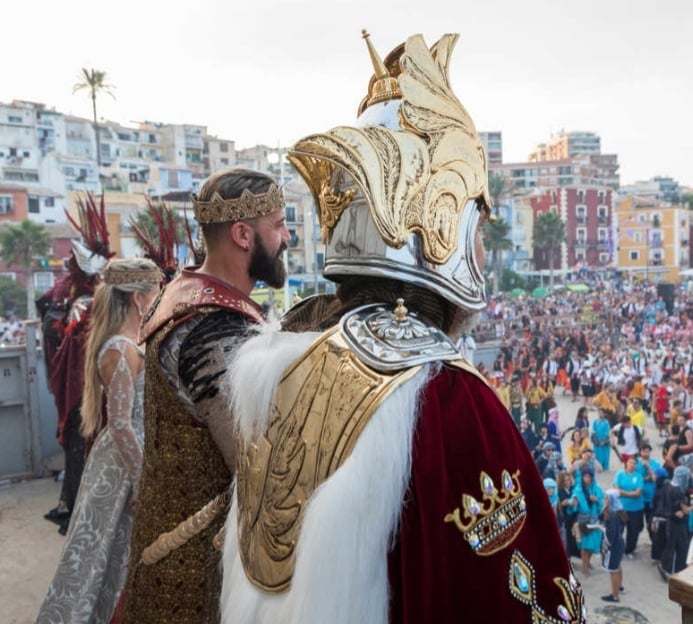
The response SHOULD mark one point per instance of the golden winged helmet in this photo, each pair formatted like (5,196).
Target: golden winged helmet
(402,193)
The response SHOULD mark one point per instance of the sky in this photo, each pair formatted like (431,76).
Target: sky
(270,72)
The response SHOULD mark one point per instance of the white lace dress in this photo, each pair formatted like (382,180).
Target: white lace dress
(93,564)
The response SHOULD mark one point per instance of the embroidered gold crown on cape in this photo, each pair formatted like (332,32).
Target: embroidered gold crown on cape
(247,206)
(492,525)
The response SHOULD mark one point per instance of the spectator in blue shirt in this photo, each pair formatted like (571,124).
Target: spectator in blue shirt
(646,467)
(629,484)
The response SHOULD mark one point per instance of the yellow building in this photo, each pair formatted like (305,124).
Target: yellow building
(652,239)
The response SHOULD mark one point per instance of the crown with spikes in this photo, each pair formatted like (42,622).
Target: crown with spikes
(160,246)
(383,84)
(92,225)
(247,206)
(491,525)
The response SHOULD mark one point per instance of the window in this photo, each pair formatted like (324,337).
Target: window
(580,212)
(15,119)
(6,204)
(43,280)
(602,214)
(581,236)
(291,214)
(223,147)
(26,154)
(603,258)
(602,235)
(293,242)
(172,179)
(224,162)
(49,202)
(34,204)
(634,255)
(320,260)
(581,196)
(579,256)
(601,197)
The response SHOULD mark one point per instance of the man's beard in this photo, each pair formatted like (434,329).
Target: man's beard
(264,267)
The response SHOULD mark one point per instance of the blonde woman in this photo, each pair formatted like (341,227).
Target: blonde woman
(93,563)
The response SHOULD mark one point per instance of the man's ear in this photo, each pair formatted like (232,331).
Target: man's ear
(242,234)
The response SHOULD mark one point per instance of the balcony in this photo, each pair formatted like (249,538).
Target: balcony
(581,219)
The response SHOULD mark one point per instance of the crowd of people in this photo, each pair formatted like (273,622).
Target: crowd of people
(624,356)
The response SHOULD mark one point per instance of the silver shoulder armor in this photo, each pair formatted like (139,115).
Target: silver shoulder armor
(391,340)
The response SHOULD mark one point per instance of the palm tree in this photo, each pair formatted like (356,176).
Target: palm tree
(20,244)
(94,80)
(496,241)
(498,187)
(549,233)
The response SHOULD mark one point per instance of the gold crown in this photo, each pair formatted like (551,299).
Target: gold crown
(135,276)
(247,206)
(493,524)
(383,85)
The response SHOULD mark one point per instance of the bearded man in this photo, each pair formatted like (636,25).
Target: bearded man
(188,463)
(379,477)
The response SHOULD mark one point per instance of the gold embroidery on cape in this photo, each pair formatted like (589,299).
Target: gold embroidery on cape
(321,407)
(521,579)
(493,524)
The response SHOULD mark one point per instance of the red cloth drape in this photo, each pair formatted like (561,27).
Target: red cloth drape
(435,576)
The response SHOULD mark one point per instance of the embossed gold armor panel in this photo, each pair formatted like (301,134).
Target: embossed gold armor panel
(322,405)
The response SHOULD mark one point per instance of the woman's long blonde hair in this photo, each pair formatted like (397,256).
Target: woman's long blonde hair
(108,312)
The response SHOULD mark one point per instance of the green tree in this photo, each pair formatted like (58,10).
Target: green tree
(498,187)
(12,297)
(94,81)
(496,241)
(549,233)
(21,243)
(687,200)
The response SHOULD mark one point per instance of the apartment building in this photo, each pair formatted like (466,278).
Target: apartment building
(564,145)
(653,238)
(589,223)
(587,170)
(493,144)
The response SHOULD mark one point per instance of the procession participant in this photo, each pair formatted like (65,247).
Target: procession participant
(66,368)
(625,439)
(200,317)
(93,563)
(362,495)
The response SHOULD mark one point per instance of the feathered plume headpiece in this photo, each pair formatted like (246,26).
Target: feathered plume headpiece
(161,245)
(91,255)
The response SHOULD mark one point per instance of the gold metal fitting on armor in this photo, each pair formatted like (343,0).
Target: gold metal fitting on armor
(247,206)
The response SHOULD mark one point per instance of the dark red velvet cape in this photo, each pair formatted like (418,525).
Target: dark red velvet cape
(435,576)
(67,370)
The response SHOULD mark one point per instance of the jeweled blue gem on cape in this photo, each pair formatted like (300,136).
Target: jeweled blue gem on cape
(521,579)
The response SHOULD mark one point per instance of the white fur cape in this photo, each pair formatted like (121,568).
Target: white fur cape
(341,573)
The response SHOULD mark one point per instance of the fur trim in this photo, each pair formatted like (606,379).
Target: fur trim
(255,370)
(341,558)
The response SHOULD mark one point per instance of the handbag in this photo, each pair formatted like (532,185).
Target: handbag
(585,519)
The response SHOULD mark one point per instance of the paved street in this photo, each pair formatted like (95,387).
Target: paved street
(29,547)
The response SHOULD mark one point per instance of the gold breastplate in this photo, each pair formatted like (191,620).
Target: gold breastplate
(322,405)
